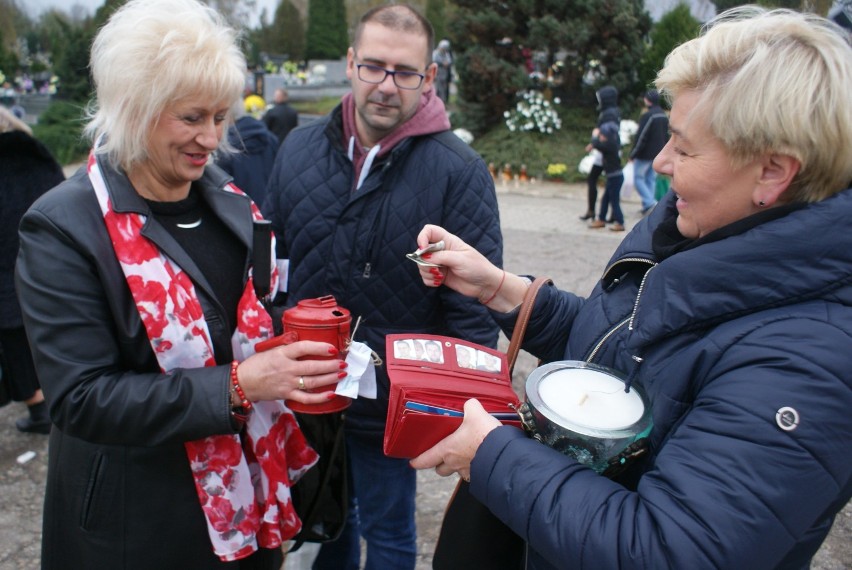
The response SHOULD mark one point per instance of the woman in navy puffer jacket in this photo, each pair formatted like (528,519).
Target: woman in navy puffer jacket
(730,305)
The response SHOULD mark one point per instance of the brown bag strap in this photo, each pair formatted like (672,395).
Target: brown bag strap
(524,319)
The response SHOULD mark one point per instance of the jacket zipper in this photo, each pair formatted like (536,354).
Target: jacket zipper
(605,338)
(638,296)
(629,320)
(377,231)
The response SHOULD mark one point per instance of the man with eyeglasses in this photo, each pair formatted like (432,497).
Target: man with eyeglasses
(347,197)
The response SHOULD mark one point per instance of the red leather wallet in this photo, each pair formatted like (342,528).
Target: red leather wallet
(431,377)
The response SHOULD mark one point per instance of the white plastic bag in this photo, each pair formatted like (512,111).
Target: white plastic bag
(588,161)
(628,186)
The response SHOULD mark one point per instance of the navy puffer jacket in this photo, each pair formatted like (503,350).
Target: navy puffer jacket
(352,244)
(252,161)
(728,333)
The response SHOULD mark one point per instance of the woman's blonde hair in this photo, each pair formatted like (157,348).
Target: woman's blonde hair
(773,82)
(149,55)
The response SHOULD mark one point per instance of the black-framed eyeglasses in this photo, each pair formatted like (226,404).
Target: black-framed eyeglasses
(403,79)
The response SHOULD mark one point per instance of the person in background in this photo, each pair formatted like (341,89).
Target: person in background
(443,58)
(27,170)
(607,141)
(651,137)
(607,97)
(723,305)
(281,118)
(250,163)
(133,279)
(346,199)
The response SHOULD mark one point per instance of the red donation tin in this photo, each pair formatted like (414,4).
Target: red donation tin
(320,320)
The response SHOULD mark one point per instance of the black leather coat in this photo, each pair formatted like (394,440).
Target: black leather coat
(120,493)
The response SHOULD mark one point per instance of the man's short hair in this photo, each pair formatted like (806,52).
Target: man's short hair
(400,17)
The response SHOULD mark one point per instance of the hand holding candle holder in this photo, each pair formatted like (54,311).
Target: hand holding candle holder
(320,320)
(585,411)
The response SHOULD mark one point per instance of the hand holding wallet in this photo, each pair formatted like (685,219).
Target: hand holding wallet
(431,377)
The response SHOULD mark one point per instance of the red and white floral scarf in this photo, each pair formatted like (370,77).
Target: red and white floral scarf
(243,481)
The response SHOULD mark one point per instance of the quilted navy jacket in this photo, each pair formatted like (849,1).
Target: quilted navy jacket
(352,244)
(728,333)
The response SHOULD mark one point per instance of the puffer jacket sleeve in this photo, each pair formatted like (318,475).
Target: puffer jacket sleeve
(100,379)
(547,331)
(729,489)
(470,212)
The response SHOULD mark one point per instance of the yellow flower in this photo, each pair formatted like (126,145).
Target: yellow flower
(254,104)
(557,170)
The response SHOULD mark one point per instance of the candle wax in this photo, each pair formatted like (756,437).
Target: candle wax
(591,398)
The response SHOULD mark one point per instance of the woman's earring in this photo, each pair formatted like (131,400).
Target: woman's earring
(761,203)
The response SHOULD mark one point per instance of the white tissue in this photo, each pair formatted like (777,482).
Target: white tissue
(361,373)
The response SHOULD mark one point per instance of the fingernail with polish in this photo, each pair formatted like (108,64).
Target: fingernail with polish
(342,375)
(343,364)
(426,255)
(330,396)
(332,350)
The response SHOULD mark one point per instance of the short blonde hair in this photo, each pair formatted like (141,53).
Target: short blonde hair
(149,55)
(773,82)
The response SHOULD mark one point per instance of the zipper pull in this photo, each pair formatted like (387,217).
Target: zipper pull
(367,270)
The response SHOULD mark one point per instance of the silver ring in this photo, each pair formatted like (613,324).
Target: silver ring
(302,383)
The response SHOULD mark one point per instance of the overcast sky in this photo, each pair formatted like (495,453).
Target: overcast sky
(36,7)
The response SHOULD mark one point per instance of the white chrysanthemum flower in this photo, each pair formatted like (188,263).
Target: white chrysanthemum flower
(464,135)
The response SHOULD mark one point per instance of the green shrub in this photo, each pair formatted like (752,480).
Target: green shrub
(60,128)
(321,106)
(537,150)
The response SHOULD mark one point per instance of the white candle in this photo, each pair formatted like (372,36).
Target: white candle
(591,399)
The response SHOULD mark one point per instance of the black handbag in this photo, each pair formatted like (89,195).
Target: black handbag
(320,497)
(471,536)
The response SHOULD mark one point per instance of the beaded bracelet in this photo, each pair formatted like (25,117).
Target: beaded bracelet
(245,404)
(497,290)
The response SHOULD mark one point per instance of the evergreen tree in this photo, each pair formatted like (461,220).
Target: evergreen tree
(588,43)
(8,60)
(72,65)
(488,61)
(287,33)
(436,13)
(327,36)
(13,24)
(602,42)
(673,29)
(722,5)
